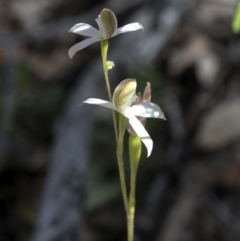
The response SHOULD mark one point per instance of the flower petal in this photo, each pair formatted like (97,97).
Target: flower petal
(124,95)
(83,44)
(147,93)
(94,101)
(107,23)
(128,28)
(85,30)
(146,109)
(142,133)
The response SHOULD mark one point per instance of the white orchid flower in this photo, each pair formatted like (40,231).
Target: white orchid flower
(146,97)
(107,24)
(123,98)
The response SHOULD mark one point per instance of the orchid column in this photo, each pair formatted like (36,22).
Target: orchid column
(130,108)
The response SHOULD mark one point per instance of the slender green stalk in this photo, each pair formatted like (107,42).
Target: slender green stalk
(122,128)
(104,50)
(134,157)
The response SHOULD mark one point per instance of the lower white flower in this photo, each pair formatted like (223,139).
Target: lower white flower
(123,97)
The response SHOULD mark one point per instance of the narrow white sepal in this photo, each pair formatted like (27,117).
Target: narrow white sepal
(146,109)
(75,48)
(142,133)
(85,29)
(103,103)
(128,28)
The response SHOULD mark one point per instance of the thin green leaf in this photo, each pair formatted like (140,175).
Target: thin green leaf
(236,20)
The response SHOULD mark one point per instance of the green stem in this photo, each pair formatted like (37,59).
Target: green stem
(104,50)
(122,128)
(134,156)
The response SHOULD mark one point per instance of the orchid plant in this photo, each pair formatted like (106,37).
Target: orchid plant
(132,109)
(123,98)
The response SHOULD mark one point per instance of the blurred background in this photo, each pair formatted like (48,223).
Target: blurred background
(58,170)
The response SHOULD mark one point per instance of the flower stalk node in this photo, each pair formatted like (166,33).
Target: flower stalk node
(110,65)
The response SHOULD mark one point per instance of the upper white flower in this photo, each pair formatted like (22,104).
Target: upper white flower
(107,24)
(123,98)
